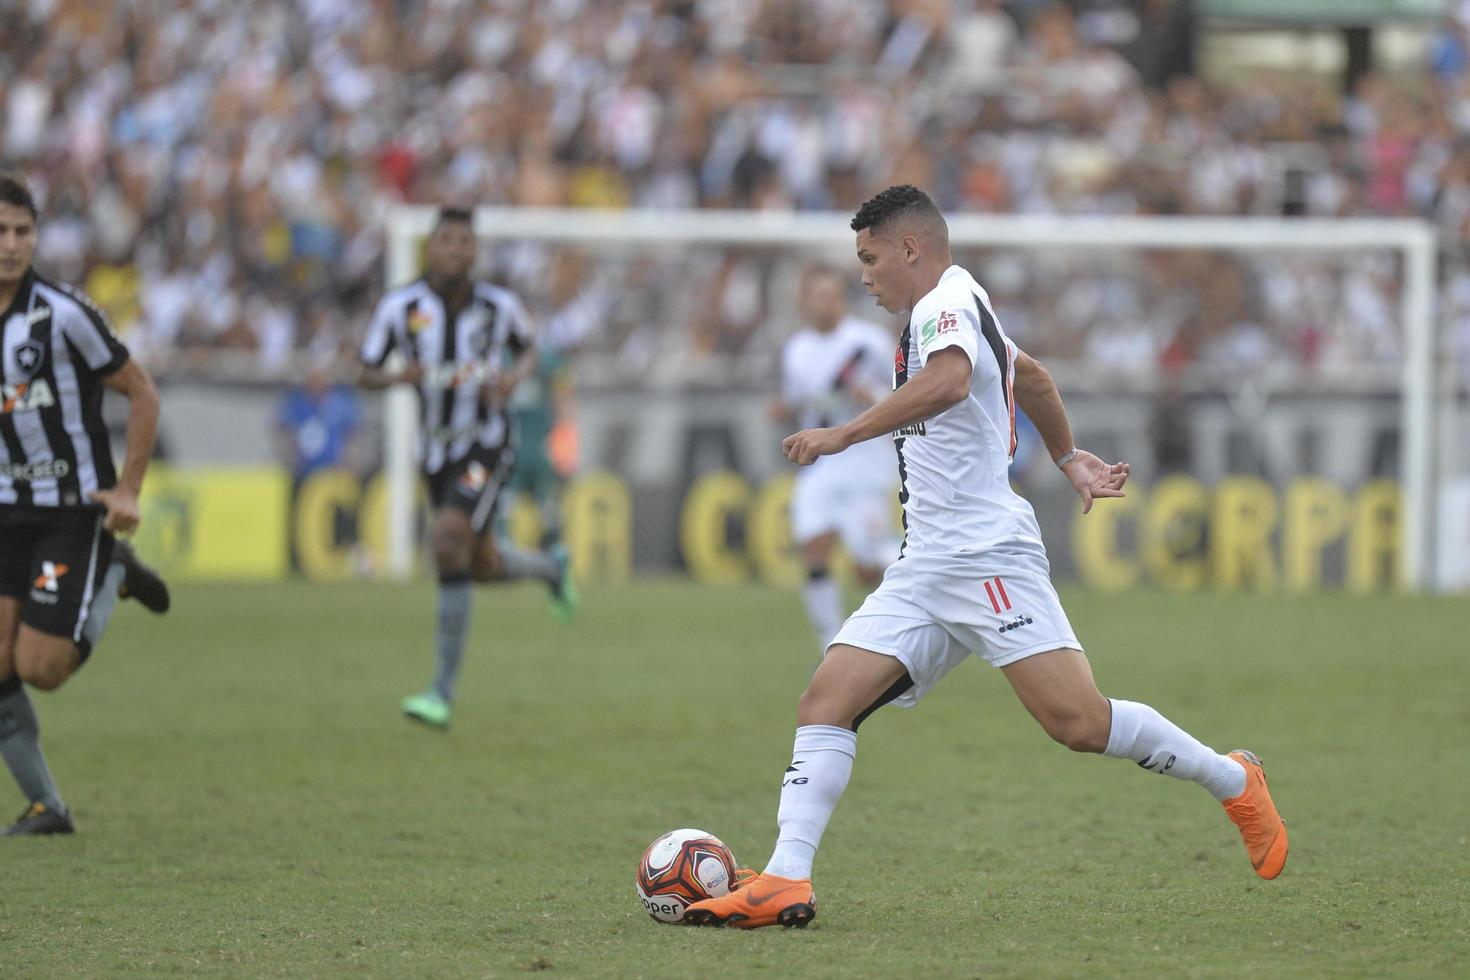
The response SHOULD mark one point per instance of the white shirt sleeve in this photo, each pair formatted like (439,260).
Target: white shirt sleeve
(382,334)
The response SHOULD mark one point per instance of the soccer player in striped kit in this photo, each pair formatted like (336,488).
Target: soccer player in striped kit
(61,500)
(455,336)
(973,576)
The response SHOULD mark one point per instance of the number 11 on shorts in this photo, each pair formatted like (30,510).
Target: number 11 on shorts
(996,591)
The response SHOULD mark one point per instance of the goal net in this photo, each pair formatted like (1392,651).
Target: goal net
(1277,385)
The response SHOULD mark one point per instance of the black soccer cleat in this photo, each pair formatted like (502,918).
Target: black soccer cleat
(139,581)
(40,819)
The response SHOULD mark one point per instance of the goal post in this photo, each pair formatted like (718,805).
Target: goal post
(1427,435)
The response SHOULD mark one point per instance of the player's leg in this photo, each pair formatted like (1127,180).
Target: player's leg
(49,635)
(20,734)
(502,562)
(1057,688)
(849,684)
(452,543)
(821,594)
(814,529)
(888,650)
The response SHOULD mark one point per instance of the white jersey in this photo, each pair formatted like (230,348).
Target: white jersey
(953,470)
(819,372)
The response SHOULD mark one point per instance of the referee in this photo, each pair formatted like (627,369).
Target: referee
(61,501)
(466,346)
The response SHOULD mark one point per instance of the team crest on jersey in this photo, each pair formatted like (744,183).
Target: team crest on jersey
(418,320)
(28,357)
(475,477)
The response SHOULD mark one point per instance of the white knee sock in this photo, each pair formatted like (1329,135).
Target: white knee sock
(821,762)
(822,597)
(1157,744)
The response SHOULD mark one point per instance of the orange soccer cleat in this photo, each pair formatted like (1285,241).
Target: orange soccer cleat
(1261,827)
(764,900)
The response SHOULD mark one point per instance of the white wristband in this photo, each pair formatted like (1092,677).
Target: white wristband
(1068,456)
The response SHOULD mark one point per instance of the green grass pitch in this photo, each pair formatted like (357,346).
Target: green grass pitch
(250,803)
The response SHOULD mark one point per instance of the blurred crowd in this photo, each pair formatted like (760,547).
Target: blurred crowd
(215,172)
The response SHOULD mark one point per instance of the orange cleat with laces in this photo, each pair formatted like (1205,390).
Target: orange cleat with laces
(1261,827)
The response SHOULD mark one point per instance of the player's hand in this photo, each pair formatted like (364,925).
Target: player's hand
(412,374)
(500,389)
(122,510)
(804,447)
(1092,478)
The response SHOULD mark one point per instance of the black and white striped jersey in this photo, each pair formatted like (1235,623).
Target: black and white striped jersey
(458,358)
(55,349)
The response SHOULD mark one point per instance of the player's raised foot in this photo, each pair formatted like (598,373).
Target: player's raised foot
(763,900)
(39,819)
(139,581)
(427,708)
(1261,827)
(564,596)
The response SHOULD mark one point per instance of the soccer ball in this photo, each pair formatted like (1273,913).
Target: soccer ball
(680,868)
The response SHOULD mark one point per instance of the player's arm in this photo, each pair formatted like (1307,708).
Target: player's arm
(521,342)
(133,382)
(519,371)
(943,383)
(1036,395)
(381,340)
(375,378)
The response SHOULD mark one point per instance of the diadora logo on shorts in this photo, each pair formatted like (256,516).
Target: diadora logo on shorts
(50,577)
(26,396)
(1017,623)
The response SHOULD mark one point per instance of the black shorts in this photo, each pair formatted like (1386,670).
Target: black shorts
(472,484)
(53,560)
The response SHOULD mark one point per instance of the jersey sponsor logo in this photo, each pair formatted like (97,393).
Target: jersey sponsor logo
(937,326)
(457,375)
(916,429)
(46,469)
(50,578)
(29,355)
(26,396)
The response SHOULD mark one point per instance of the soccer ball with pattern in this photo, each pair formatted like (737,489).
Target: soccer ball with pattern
(680,868)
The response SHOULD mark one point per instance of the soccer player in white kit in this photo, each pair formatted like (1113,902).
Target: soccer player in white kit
(973,576)
(831,370)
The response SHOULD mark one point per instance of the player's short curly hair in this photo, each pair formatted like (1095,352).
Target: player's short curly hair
(902,199)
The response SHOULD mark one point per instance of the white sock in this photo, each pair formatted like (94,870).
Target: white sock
(1157,744)
(821,762)
(822,597)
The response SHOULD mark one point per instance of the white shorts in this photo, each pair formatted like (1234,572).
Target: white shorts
(863,515)
(931,612)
